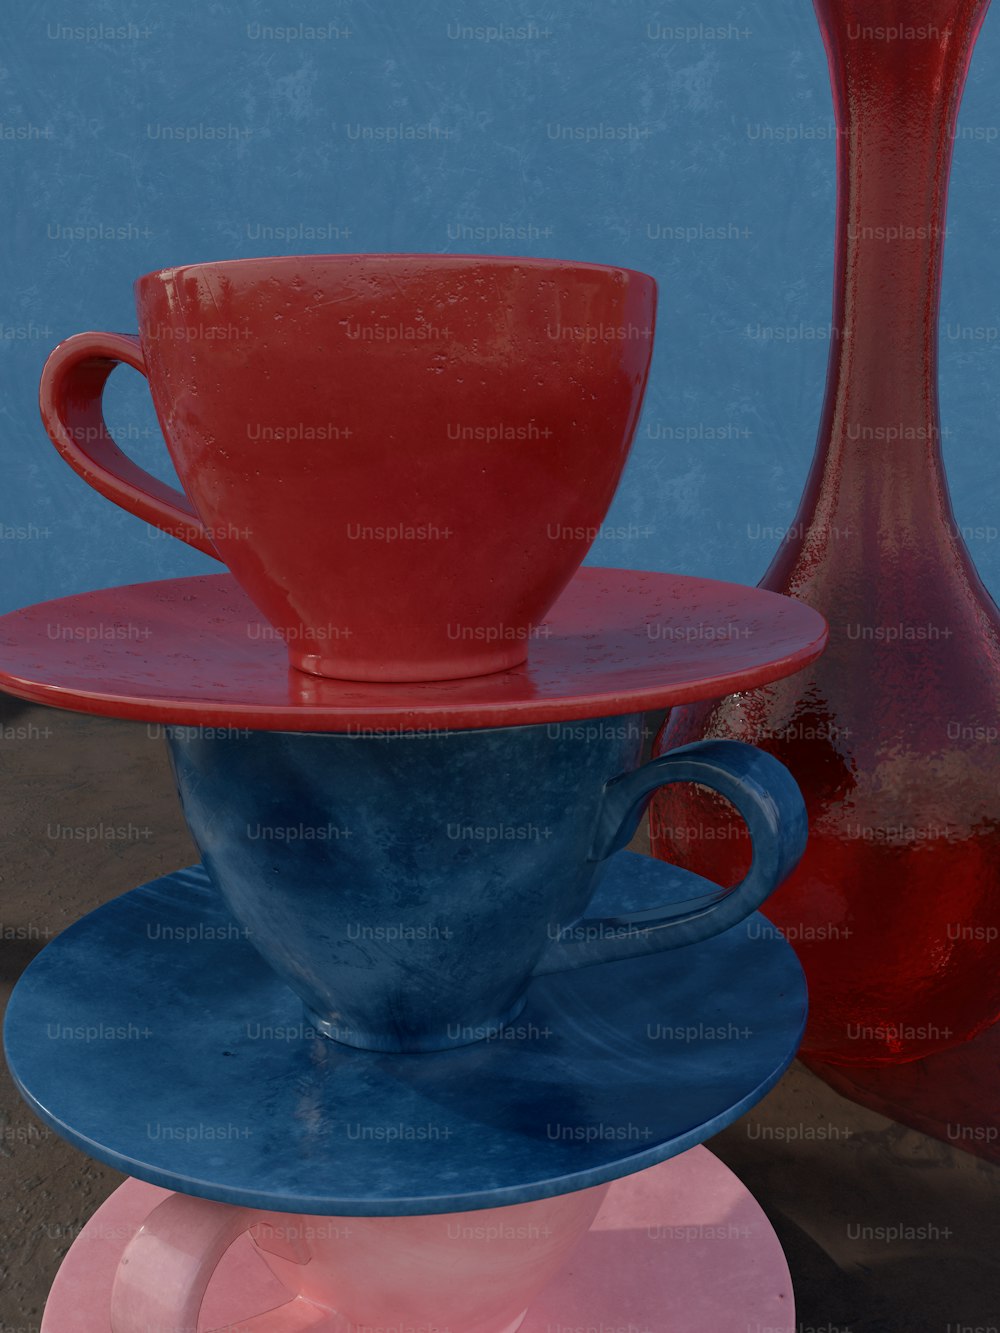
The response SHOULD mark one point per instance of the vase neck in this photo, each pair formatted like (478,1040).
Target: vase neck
(897,71)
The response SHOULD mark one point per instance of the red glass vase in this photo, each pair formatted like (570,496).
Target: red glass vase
(892,733)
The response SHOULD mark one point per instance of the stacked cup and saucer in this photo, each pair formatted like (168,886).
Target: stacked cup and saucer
(419,1045)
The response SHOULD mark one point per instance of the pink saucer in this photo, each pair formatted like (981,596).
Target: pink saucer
(196,652)
(680,1248)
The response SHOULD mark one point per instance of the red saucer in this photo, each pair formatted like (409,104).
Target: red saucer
(196,652)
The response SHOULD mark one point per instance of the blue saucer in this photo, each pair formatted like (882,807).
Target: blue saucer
(153,1037)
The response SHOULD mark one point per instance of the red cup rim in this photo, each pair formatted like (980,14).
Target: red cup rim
(501,261)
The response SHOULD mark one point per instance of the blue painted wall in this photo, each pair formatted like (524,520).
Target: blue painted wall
(135,136)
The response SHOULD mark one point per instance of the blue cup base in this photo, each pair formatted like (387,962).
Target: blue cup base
(453,1036)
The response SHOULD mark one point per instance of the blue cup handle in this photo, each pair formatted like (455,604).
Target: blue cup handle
(771,805)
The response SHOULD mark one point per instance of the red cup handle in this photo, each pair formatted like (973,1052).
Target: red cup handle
(69,396)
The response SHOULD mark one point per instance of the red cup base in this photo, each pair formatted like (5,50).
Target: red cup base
(385,671)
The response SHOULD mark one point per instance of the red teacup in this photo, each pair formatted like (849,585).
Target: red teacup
(403,459)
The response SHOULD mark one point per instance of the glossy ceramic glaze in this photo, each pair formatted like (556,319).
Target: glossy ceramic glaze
(408,888)
(192,651)
(680,1245)
(151,1035)
(895,907)
(446,1271)
(402,458)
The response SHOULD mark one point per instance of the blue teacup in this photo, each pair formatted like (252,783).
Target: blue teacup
(408,887)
